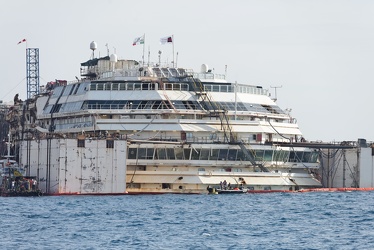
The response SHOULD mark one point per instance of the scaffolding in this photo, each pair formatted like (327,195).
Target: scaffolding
(32,72)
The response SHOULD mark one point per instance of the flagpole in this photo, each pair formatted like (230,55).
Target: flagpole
(143,48)
(172,37)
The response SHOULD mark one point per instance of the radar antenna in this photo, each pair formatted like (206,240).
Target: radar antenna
(275,87)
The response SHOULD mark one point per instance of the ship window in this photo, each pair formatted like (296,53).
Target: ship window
(201,170)
(76,88)
(240,156)
(204,154)
(306,156)
(214,154)
(150,152)
(71,89)
(93,86)
(100,86)
(232,154)
(279,155)
(161,154)
(178,153)
(122,86)
(222,154)
(165,186)
(292,156)
(314,157)
(268,155)
(168,86)
(137,86)
(109,144)
(156,105)
(115,86)
(148,105)
(195,154)
(132,153)
(142,153)
(130,86)
(81,143)
(187,152)
(259,155)
(170,153)
(299,156)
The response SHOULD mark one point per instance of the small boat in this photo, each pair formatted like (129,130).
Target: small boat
(232,191)
(24,186)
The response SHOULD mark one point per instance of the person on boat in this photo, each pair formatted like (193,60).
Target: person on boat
(221,185)
(224,184)
(229,186)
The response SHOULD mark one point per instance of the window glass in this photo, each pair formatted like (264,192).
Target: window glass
(299,156)
(195,154)
(314,157)
(115,86)
(306,156)
(213,154)
(142,153)
(100,86)
(150,153)
(222,154)
(161,153)
(170,153)
(232,154)
(259,155)
(204,154)
(187,152)
(132,153)
(268,155)
(178,153)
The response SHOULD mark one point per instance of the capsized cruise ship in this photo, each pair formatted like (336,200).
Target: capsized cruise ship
(133,127)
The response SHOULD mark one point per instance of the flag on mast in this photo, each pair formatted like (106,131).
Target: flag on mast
(166,39)
(22,41)
(138,40)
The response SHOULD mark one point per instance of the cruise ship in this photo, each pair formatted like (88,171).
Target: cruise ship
(128,126)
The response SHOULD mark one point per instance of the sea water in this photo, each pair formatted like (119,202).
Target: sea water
(339,220)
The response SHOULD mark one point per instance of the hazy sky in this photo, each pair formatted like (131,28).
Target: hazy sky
(320,51)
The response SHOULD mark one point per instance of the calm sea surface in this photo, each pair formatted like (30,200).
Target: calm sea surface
(246,221)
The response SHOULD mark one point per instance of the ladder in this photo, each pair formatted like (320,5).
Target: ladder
(214,109)
(250,157)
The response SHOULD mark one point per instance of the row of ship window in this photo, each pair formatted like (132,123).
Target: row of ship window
(221,154)
(174,86)
(177,104)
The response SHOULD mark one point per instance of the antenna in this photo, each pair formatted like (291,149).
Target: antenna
(159,57)
(93,47)
(176,60)
(275,87)
(107,49)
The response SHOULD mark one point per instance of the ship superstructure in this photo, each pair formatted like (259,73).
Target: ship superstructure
(179,131)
